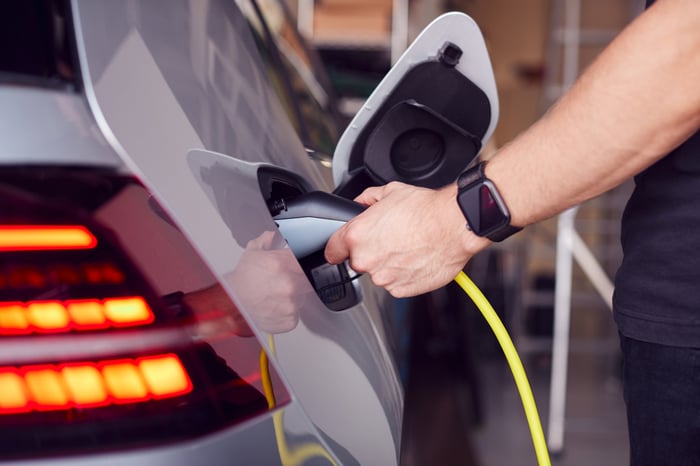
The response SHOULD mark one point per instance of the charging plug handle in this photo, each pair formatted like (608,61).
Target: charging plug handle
(322,205)
(308,221)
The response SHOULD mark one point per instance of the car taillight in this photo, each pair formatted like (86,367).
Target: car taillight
(41,237)
(79,314)
(89,385)
(97,350)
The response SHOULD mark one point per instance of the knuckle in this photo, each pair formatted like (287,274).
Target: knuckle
(382,279)
(353,234)
(394,185)
(359,264)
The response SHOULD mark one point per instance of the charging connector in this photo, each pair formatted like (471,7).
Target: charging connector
(309,220)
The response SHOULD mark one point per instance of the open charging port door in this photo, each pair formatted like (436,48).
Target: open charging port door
(428,118)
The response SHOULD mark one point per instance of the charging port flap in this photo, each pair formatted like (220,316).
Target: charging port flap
(428,118)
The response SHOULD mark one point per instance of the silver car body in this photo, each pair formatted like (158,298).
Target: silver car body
(178,95)
(166,79)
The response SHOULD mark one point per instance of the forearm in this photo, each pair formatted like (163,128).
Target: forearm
(639,100)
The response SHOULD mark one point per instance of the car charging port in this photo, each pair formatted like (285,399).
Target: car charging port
(275,206)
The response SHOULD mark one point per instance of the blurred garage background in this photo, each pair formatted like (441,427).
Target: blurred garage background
(462,404)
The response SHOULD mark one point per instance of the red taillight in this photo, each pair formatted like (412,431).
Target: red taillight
(89,385)
(64,316)
(59,274)
(45,237)
(100,346)
(49,316)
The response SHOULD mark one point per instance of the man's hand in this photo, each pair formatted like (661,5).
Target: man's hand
(410,240)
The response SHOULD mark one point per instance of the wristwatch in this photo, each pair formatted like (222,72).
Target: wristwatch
(483,206)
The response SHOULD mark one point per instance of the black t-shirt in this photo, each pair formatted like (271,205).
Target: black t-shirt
(657,288)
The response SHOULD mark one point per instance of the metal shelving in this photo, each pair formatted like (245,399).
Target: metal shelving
(394,40)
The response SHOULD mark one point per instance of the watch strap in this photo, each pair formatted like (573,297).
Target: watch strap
(503,233)
(471,176)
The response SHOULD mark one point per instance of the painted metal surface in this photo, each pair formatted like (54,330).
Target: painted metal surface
(177,87)
(48,126)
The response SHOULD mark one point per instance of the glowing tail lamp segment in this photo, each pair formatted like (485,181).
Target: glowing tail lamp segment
(45,237)
(89,385)
(64,316)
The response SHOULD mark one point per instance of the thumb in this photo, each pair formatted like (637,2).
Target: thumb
(337,249)
(375,194)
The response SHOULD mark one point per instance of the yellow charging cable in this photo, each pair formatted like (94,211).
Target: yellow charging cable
(288,456)
(303,452)
(516,366)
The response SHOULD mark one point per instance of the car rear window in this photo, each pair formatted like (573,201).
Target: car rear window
(36,43)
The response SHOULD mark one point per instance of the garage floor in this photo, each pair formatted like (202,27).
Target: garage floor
(462,406)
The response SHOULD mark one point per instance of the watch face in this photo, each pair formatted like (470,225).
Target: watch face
(491,215)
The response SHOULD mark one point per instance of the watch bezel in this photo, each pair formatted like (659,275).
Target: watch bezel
(473,208)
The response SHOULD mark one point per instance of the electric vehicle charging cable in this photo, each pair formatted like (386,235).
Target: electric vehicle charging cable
(516,366)
(297,456)
(319,208)
(288,456)
(300,454)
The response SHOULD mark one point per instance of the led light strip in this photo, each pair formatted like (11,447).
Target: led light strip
(17,318)
(89,385)
(58,274)
(45,237)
